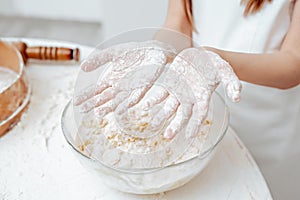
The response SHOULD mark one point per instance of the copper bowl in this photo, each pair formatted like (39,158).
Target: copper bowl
(14,87)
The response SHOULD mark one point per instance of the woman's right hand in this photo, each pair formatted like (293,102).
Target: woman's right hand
(124,62)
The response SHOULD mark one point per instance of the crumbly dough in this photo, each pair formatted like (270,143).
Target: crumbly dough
(103,140)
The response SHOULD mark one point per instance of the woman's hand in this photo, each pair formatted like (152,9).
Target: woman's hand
(119,82)
(183,87)
(189,82)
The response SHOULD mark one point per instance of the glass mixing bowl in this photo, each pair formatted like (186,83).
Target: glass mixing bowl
(142,172)
(14,87)
(153,180)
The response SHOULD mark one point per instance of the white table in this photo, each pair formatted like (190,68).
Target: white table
(37,163)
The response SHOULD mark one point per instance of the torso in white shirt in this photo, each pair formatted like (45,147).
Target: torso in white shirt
(267,119)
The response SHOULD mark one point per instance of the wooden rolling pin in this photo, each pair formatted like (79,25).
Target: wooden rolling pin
(47,53)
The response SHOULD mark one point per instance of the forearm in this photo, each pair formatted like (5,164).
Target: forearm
(177,19)
(279,70)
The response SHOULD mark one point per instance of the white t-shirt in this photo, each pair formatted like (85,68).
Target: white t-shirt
(266,119)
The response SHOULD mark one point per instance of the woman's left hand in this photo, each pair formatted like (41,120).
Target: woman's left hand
(189,82)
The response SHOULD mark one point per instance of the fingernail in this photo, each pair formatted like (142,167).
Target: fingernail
(76,101)
(237,98)
(83,109)
(85,66)
(169,134)
(100,112)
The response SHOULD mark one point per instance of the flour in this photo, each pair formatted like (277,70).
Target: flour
(150,115)
(117,129)
(133,157)
(104,141)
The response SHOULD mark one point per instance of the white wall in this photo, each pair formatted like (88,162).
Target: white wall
(54,9)
(121,15)
(113,15)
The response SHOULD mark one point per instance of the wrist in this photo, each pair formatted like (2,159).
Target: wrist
(180,39)
(179,26)
(214,50)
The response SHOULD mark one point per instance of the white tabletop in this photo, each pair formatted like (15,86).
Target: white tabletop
(37,163)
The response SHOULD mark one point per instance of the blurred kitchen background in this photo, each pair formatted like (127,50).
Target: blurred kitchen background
(84,22)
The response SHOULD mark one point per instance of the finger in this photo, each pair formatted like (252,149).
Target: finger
(181,119)
(193,128)
(133,98)
(97,60)
(111,53)
(111,105)
(137,95)
(168,110)
(98,100)
(105,109)
(159,95)
(84,95)
(105,55)
(199,113)
(195,65)
(230,81)
(143,77)
(227,77)
(233,91)
(89,93)
(122,99)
